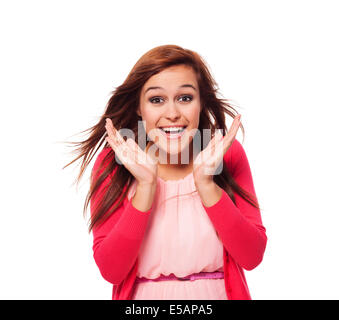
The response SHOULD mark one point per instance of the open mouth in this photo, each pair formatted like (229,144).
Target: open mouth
(173,132)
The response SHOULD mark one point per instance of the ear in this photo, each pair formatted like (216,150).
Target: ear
(138,112)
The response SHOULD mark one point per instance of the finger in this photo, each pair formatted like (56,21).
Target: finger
(217,136)
(141,157)
(130,150)
(204,154)
(112,132)
(229,138)
(127,155)
(222,143)
(109,126)
(215,159)
(219,151)
(136,154)
(122,151)
(234,129)
(134,145)
(111,142)
(211,148)
(235,123)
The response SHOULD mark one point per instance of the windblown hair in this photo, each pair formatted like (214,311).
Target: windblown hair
(122,110)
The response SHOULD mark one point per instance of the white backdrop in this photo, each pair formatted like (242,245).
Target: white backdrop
(277,60)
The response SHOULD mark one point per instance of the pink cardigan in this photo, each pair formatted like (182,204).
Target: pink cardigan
(116,242)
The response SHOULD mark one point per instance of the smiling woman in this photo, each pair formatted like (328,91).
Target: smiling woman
(171,110)
(164,229)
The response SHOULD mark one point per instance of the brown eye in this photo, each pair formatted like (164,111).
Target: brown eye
(154,100)
(187,96)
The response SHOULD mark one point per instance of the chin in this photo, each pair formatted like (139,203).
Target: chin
(175,148)
(176,153)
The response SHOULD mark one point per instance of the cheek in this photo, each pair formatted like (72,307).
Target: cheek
(150,119)
(193,115)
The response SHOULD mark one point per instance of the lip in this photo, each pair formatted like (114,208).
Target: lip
(173,136)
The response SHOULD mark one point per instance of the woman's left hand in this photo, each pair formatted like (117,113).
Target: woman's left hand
(208,160)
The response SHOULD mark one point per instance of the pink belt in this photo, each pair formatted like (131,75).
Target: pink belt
(193,276)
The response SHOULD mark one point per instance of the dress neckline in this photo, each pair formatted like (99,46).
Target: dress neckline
(187,177)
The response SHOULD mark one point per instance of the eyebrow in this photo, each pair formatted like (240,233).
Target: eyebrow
(187,85)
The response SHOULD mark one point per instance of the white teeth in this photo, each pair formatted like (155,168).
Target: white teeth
(173,129)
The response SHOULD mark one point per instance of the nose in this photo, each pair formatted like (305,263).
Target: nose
(172,113)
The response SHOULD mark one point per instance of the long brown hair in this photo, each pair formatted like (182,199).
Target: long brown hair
(121,109)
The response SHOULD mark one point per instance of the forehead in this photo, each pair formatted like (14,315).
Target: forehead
(172,77)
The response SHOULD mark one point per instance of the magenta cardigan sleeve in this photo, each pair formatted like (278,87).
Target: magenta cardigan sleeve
(239,226)
(116,242)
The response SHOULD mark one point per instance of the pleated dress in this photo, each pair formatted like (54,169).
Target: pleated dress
(181,240)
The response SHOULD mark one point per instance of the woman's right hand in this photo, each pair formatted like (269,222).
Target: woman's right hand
(134,159)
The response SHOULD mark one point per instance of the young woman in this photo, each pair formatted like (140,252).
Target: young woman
(173,216)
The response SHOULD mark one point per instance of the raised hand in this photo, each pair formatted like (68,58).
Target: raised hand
(208,160)
(134,159)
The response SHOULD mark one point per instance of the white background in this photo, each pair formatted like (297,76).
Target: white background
(277,60)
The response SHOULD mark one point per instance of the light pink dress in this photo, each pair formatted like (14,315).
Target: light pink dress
(181,239)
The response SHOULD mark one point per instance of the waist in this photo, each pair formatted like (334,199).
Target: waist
(190,277)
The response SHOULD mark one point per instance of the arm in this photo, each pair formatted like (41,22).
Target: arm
(116,242)
(239,226)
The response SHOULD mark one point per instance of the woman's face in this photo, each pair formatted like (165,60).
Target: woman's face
(171,99)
